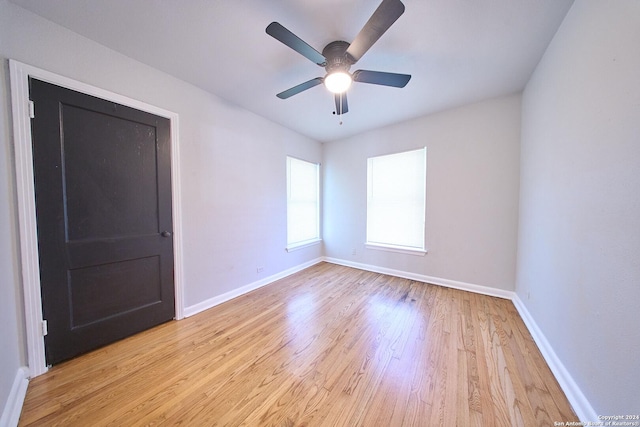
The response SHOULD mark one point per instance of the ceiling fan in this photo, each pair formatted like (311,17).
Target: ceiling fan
(338,56)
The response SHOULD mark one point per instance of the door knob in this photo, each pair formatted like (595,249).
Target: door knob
(166,234)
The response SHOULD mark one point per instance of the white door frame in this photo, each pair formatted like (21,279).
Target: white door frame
(20,74)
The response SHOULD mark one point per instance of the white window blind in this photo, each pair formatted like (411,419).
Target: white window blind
(396,199)
(303,203)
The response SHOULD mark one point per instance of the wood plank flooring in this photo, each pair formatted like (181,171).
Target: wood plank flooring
(328,346)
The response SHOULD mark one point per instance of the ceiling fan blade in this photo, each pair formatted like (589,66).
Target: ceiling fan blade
(342,107)
(384,16)
(299,88)
(285,36)
(381,78)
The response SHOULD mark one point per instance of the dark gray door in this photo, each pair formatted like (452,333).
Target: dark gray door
(103,205)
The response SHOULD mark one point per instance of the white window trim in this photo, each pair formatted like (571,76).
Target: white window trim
(302,245)
(397,249)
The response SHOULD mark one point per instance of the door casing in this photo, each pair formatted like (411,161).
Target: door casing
(19,74)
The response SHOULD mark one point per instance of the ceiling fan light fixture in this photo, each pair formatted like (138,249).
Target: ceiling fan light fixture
(338,82)
(338,56)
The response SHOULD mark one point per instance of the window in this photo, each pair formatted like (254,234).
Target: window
(303,204)
(396,187)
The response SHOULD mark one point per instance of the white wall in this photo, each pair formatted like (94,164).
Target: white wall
(11,324)
(579,237)
(232,164)
(472,193)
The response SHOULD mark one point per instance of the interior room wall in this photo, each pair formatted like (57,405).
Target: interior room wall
(579,237)
(472,193)
(12,354)
(233,172)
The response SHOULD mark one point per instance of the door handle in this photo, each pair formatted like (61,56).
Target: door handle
(166,234)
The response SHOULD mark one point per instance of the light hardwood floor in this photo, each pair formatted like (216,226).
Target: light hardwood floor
(328,346)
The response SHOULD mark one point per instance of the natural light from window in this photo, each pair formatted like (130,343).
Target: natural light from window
(303,203)
(396,200)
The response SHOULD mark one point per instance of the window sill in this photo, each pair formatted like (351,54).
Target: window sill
(302,245)
(397,249)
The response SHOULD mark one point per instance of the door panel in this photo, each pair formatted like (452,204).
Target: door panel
(100,203)
(100,291)
(103,200)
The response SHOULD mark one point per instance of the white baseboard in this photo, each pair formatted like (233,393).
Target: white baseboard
(579,402)
(212,302)
(13,407)
(484,290)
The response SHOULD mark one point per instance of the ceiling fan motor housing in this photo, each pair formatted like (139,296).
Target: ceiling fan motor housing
(336,55)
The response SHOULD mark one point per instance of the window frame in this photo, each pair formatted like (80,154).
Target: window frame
(393,246)
(299,244)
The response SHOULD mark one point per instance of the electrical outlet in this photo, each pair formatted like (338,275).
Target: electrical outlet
(354,252)
(259,269)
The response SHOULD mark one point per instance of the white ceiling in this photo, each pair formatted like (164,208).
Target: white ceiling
(457,51)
